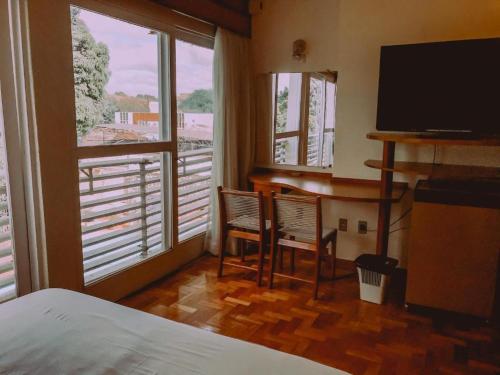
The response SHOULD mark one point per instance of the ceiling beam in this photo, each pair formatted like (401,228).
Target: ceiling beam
(227,14)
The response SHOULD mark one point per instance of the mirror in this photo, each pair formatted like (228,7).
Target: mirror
(303,118)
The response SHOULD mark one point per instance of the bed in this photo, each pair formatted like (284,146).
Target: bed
(57,331)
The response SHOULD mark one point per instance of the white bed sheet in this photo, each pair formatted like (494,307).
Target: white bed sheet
(56,331)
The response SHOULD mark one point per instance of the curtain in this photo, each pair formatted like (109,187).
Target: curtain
(234,136)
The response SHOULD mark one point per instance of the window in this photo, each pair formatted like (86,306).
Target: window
(123,132)
(144,161)
(123,117)
(304,118)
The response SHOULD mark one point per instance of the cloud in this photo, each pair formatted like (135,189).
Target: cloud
(133,57)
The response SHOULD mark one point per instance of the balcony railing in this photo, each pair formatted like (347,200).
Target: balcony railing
(124,212)
(7,277)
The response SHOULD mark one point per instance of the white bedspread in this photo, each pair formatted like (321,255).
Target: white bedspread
(56,331)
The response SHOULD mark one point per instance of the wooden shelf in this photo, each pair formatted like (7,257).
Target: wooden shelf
(432,139)
(438,170)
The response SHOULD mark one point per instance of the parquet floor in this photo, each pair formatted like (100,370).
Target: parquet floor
(338,330)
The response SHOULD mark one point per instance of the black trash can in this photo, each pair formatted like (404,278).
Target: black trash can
(374,271)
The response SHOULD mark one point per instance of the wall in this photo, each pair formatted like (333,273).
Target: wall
(346,35)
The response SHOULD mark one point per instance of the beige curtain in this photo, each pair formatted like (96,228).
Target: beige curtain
(234,136)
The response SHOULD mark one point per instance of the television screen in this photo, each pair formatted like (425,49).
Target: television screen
(443,86)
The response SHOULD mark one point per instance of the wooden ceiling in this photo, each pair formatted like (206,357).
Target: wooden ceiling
(229,14)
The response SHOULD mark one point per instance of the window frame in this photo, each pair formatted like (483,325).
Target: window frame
(303,132)
(167,143)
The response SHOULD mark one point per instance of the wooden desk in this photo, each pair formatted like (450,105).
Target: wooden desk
(322,184)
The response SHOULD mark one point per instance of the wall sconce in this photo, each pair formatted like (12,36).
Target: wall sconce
(299,50)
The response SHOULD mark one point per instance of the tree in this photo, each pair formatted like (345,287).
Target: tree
(282,110)
(91,74)
(199,101)
(110,107)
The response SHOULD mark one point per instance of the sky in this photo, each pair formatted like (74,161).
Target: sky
(133,58)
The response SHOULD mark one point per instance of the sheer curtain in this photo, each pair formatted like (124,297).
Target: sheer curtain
(234,136)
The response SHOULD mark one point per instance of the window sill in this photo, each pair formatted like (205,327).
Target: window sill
(296,168)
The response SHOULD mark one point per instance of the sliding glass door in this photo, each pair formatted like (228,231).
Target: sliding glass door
(144,140)
(125,147)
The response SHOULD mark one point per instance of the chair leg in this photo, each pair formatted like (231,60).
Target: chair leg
(242,245)
(333,256)
(272,265)
(280,257)
(222,249)
(260,266)
(317,272)
(292,260)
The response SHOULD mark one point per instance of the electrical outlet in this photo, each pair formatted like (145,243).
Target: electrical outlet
(343,225)
(362,227)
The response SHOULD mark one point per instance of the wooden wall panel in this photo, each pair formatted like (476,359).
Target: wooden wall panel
(229,14)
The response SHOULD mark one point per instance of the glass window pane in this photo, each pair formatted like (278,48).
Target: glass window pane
(7,273)
(330,105)
(321,122)
(116,80)
(194,66)
(316,120)
(287,106)
(286,151)
(123,215)
(328,141)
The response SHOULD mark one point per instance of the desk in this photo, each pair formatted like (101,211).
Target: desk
(324,185)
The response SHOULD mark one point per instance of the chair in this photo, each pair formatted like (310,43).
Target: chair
(296,223)
(241,216)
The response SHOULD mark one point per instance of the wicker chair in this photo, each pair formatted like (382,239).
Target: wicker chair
(296,224)
(241,216)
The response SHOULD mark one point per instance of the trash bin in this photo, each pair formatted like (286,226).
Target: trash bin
(374,271)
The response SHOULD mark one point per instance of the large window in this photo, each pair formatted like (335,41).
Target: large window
(122,116)
(304,118)
(144,160)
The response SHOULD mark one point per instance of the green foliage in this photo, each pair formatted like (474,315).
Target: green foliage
(109,109)
(91,74)
(199,101)
(315,102)
(282,110)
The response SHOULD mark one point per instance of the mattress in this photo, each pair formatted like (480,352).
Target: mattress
(56,331)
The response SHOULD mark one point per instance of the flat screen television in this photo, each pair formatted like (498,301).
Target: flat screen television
(443,86)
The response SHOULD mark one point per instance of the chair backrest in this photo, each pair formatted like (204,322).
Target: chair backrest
(297,216)
(241,209)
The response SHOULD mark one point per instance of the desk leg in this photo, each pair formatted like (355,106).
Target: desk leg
(384,208)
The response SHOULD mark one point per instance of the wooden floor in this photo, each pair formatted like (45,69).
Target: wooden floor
(338,330)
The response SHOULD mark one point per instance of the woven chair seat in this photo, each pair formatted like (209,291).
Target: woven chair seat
(306,234)
(248,222)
